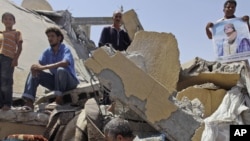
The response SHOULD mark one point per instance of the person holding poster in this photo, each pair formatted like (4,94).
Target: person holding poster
(229,10)
(230,34)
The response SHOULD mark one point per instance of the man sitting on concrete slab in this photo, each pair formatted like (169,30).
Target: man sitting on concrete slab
(61,76)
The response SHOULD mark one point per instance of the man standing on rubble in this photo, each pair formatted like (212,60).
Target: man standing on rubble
(114,35)
(60,63)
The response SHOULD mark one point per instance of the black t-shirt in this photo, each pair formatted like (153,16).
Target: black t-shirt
(118,39)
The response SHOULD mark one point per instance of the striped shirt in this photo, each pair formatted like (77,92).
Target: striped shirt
(9,41)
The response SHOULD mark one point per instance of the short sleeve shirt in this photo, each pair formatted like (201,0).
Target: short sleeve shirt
(63,54)
(9,41)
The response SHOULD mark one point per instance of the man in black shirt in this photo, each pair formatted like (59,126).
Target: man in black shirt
(114,35)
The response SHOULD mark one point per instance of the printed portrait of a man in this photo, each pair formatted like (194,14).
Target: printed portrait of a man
(231,40)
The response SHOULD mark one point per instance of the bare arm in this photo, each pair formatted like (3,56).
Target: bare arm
(246,19)
(36,68)
(208,32)
(39,67)
(17,54)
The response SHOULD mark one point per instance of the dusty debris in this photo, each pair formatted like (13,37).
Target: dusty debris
(224,75)
(204,85)
(160,97)
(210,99)
(143,94)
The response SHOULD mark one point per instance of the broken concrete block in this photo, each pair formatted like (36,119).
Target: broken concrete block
(131,22)
(198,133)
(138,59)
(161,55)
(210,98)
(141,85)
(226,75)
(20,116)
(83,91)
(142,94)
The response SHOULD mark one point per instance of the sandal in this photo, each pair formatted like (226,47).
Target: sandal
(24,109)
(51,106)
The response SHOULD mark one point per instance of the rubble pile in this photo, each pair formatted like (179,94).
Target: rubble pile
(173,99)
(161,98)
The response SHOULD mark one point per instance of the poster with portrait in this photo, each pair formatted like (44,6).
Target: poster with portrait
(231,40)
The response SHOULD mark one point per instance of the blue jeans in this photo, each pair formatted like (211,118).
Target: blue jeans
(6,81)
(60,82)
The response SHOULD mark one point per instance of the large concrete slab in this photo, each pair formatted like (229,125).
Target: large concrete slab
(161,55)
(224,75)
(37,5)
(143,94)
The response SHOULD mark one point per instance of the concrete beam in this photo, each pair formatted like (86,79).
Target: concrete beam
(92,21)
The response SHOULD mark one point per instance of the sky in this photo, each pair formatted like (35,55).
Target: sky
(185,19)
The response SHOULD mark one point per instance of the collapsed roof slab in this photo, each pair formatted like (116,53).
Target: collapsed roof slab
(161,54)
(143,94)
(37,5)
(224,75)
(210,98)
(224,80)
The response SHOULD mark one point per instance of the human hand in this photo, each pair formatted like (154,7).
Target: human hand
(209,25)
(245,18)
(14,63)
(209,33)
(35,69)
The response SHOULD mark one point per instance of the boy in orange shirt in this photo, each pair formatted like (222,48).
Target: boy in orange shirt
(10,50)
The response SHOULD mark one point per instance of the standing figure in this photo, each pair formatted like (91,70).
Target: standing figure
(114,35)
(229,10)
(61,76)
(10,50)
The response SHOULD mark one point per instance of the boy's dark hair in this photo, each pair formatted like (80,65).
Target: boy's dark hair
(56,30)
(231,2)
(8,14)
